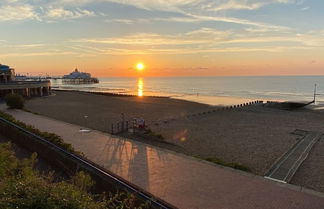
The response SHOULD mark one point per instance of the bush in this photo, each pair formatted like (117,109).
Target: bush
(14,101)
(49,136)
(23,187)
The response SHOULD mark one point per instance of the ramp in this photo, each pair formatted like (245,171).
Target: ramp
(287,165)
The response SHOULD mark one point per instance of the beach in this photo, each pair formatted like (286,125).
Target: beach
(254,136)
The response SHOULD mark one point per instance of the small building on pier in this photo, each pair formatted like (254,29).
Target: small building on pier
(8,84)
(77,77)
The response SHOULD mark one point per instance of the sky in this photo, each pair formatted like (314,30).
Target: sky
(171,37)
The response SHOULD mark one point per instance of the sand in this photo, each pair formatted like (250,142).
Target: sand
(102,111)
(253,136)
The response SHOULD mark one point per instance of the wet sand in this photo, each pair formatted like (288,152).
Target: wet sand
(252,136)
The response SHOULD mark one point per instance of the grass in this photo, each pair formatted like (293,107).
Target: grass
(227,164)
(150,133)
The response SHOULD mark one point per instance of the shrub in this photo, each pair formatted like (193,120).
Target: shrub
(14,101)
(23,187)
(49,136)
(157,136)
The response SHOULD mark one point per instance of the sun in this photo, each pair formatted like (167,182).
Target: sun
(140,66)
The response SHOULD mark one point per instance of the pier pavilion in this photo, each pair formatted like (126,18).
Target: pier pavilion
(9,85)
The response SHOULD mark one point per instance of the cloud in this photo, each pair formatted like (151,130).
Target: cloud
(160,5)
(204,40)
(143,39)
(190,11)
(61,13)
(222,5)
(237,5)
(129,21)
(21,12)
(189,18)
(14,10)
(207,5)
(31,54)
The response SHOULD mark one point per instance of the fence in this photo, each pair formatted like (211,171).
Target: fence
(258,102)
(119,127)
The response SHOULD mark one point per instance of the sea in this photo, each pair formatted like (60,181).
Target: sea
(212,90)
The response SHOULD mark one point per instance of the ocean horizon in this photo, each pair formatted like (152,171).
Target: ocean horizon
(214,90)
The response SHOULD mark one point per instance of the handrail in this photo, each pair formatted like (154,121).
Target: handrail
(127,186)
(24,82)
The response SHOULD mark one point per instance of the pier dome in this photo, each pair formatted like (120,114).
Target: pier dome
(4,67)
(7,74)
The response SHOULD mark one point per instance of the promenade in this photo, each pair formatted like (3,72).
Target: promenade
(178,179)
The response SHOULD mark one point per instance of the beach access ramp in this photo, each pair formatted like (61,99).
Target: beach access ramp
(285,168)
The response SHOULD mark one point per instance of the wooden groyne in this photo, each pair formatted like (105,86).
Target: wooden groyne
(208,112)
(287,105)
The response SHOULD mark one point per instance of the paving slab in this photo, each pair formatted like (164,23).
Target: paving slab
(183,181)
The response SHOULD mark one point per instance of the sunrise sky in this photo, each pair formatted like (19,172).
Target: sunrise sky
(170,37)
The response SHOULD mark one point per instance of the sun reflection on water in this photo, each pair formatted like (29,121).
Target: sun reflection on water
(140,87)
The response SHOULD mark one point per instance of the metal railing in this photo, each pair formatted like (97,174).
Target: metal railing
(24,82)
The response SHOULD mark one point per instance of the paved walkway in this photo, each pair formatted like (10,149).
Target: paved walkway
(180,180)
(288,164)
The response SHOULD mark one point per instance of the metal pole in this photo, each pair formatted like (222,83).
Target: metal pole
(315,93)
(123,121)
